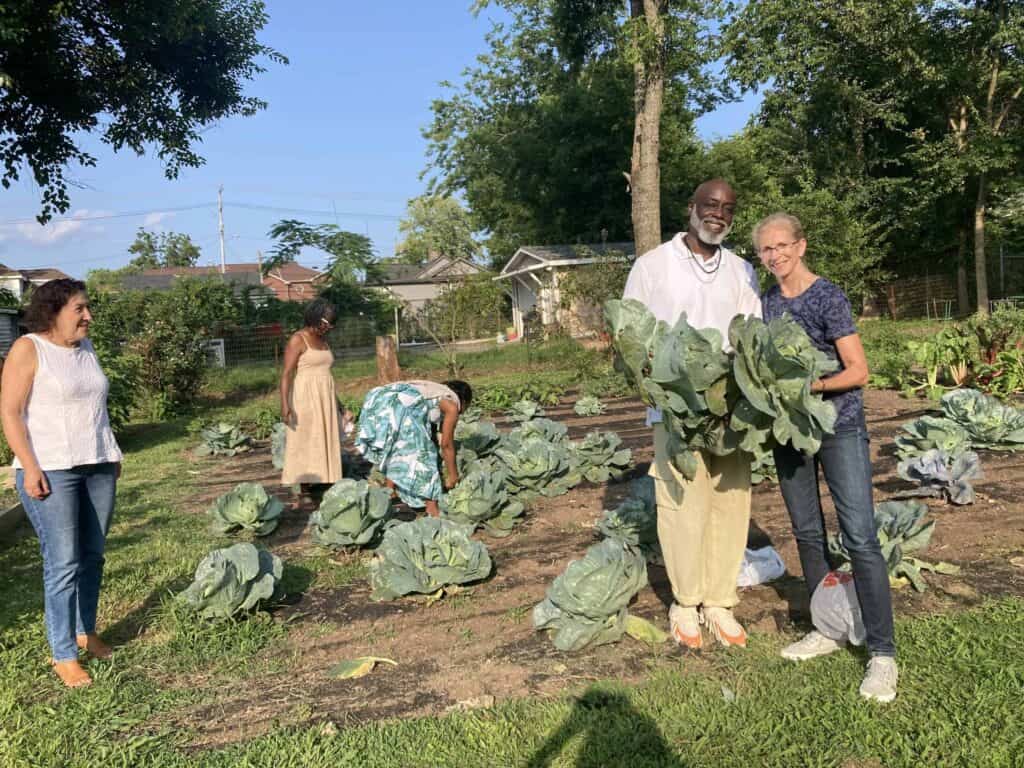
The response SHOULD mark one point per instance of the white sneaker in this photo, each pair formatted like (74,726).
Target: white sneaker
(880,679)
(724,627)
(811,645)
(684,622)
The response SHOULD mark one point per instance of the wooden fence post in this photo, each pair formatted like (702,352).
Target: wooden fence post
(387,360)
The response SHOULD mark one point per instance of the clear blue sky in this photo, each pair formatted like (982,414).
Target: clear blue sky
(342,133)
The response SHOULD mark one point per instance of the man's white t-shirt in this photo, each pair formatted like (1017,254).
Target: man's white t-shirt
(671,280)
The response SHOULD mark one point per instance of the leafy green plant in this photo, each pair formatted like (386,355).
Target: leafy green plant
(223,439)
(480,437)
(352,513)
(248,507)
(425,556)
(278,441)
(988,423)
(535,467)
(928,354)
(600,458)
(634,522)
(901,532)
(544,429)
(1004,377)
(588,405)
(607,382)
(1001,329)
(586,604)
(233,580)
(493,398)
(762,468)
(480,500)
(930,432)
(262,425)
(936,473)
(524,410)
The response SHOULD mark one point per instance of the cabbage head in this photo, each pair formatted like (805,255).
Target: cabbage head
(775,364)
(233,580)
(278,439)
(426,555)
(536,467)
(544,429)
(248,507)
(600,457)
(588,405)
(480,437)
(938,474)
(902,532)
(634,522)
(524,410)
(480,500)
(931,432)
(223,439)
(988,423)
(353,513)
(586,604)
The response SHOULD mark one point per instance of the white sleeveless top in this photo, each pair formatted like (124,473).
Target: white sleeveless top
(66,414)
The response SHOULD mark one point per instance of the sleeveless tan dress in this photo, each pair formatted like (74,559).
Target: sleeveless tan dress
(312,452)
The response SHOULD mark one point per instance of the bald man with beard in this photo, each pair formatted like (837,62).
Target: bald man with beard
(702,523)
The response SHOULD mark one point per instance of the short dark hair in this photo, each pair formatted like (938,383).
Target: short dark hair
(48,300)
(317,310)
(463,390)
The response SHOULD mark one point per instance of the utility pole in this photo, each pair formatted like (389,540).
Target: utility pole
(220,218)
(259,262)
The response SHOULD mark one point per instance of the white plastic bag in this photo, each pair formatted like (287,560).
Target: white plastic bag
(835,610)
(759,566)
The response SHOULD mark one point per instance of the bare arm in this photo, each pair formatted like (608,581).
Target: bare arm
(855,362)
(292,352)
(15,387)
(447,440)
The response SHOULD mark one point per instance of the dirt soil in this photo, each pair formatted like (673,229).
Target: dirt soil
(479,645)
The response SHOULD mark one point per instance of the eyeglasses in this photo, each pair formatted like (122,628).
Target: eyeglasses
(768,250)
(326,324)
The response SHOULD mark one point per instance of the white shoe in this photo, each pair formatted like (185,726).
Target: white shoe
(811,645)
(724,627)
(684,622)
(880,679)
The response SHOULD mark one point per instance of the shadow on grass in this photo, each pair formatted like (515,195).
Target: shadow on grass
(134,623)
(614,733)
(295,580)
(141,436)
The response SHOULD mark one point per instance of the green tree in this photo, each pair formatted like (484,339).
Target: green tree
(435,225)
(464,308)
(168,249)
(147,73)
(351,254)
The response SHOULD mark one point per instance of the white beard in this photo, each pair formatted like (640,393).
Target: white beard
(705,234)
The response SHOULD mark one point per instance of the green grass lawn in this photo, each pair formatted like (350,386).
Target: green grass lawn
(960,700)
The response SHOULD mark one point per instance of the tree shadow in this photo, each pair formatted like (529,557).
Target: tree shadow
(134,623)
(614,732)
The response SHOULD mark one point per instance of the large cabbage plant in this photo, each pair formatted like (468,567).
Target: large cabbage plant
(634,522)
(902,532)
(247,507)
(525,410)
(536,467)
(588,405)
(987,422)
(233,580)
(480,500)
(480,437)
(223,439)
(425,556)
(353,513)
(775,365)
(929,433)
(545,429)
(586,604)
(600,457)
(936,473)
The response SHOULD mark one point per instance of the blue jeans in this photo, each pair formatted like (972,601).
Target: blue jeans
(846,463)
(72,524)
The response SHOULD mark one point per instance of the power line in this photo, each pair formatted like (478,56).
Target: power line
(312,212)
(125,215)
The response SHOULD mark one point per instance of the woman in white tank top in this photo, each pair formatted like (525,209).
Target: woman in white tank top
(53,403)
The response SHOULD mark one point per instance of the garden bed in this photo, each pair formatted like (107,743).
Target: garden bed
(479,646)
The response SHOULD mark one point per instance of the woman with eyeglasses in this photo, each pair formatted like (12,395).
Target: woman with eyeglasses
(823,311)
(309,407)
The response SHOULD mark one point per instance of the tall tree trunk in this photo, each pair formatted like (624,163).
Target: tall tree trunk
(648,93)
(980,274)
(963,299)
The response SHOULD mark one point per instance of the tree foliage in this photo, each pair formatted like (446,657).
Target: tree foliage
(168,249)
(351,254)
(145,74)
(435,225)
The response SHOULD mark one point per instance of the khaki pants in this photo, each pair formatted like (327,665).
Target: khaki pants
(702,523)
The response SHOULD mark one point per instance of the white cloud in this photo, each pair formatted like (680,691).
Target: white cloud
(56,231)
(152,219)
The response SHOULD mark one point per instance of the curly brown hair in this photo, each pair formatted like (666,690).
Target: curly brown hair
(48,300)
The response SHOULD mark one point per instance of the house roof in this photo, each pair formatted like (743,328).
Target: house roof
(161,280)
(44,274)
(441,269)
(533,257)
(288,282)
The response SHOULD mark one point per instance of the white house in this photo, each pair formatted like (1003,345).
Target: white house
(414,285)
(534,271)
(21,281)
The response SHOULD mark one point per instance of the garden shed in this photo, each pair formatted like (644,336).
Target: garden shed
(533,274)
